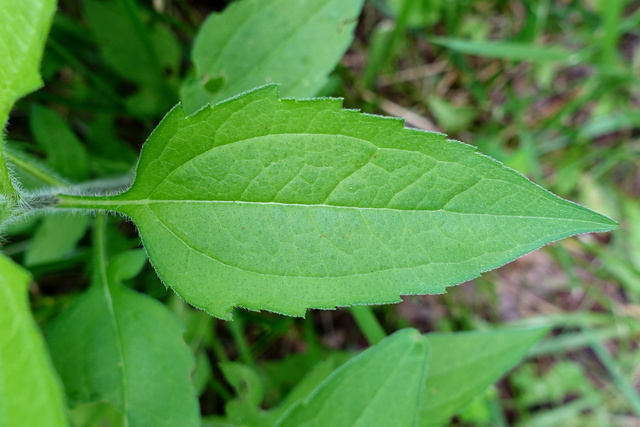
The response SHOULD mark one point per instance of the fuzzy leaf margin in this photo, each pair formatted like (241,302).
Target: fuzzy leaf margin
(283,205)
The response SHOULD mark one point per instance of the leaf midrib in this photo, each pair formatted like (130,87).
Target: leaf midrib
(106,290)
(115,204)
(190,247)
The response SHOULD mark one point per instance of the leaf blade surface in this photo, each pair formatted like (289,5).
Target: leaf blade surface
(380,386)
(296,43)
(119,346)
(282,205)
(30,392)
(463,364)
(24,29)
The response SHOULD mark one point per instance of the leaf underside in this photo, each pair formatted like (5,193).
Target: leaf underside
(284,205)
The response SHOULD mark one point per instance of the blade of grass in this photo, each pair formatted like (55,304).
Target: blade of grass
(386,44)
(621,382)
(513,51)
(611,15)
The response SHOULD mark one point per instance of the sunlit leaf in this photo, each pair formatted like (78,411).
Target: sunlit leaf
(278,204)
(24,28)
(30,392)
(296,43)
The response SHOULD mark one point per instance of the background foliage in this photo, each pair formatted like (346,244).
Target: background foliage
(549,88)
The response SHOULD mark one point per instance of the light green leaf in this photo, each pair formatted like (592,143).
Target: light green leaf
(282,205)
(306,380)
(30,392)
(96,415)
(55,238)
(25,24)
(459,367)
(296,43)
(65,153)
(514,51)
(421,13)
(125,348)
(463,364)
(381,387)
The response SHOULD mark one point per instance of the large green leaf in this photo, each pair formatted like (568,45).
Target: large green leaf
(459,367)
(296,43)
(119,346)
(30,392)
(379,387)
(25,24)
(282,205)
(463,364)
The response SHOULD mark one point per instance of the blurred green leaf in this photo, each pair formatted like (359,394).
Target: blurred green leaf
(464,364)
(147,56)
(65,153)
(380,386)
(563,379)
(451,118)
(30,392)
(55,238)
(125,348)
(514,51)
(249,391)
(421,14)
(25,24)
(100,414)
(254,42)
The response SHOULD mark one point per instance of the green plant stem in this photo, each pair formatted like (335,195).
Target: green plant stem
(34,168)
(216,346)
(237,331)
(368,323)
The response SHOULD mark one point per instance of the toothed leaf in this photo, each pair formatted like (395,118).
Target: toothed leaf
(284,205)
